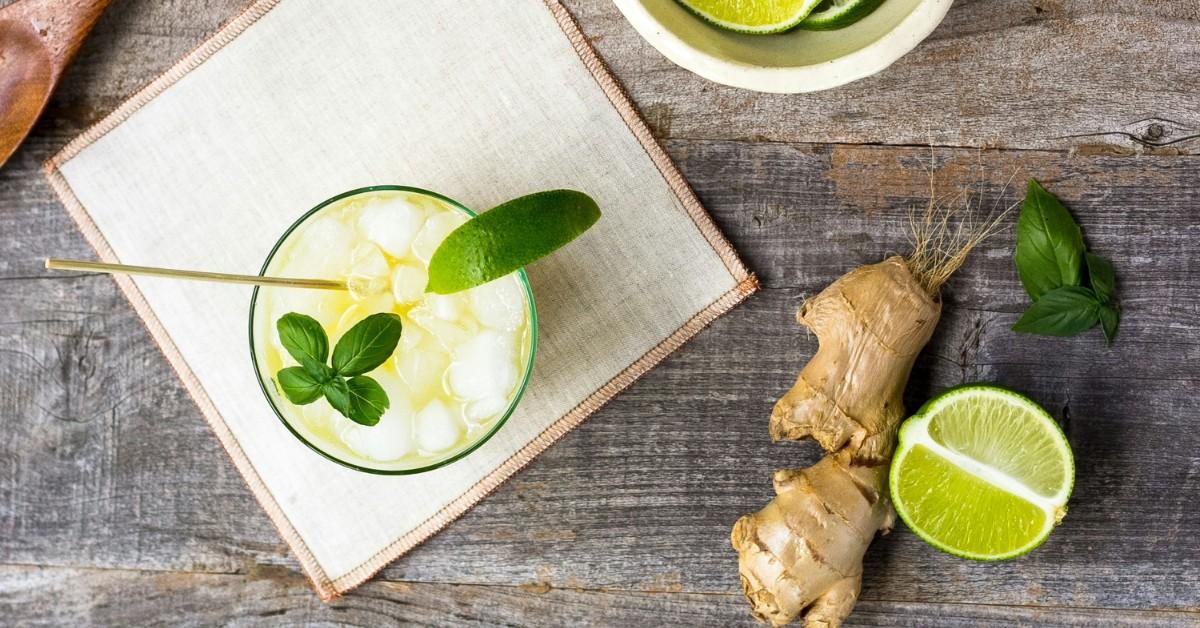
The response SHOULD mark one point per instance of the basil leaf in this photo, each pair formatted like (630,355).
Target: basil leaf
(303,337)
(317,370)
(1110,318)
(368,401)
(367,345)
(1064,311)
(298,385)
(1049,243)
(337,392)
(360,399)
(1102,277)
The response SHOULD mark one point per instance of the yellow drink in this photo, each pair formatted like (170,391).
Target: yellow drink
(463,358)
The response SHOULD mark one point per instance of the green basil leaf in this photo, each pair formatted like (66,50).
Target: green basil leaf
(360,399)
(367,345)
(1049,243)
(298,385)
(1110,319)
(368,401)
(303,337)
(1064,311)
(337,392)
(317,370)
(1102,276)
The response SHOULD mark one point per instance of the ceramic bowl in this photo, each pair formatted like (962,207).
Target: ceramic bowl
(791,62)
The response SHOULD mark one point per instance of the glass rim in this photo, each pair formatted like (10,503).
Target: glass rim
(262,381)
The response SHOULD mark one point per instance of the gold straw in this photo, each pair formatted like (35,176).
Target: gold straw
(195,275)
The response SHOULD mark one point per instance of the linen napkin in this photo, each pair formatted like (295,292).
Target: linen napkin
(295,101)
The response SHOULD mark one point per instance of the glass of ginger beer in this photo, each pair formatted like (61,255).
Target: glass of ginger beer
(463,360)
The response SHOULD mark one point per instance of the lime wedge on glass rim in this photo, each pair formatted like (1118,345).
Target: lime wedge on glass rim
(834,14)
(509,236)
(982,472)
(758,17)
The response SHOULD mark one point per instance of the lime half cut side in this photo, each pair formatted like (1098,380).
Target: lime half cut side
(834,14)
(757,17)
(982,472)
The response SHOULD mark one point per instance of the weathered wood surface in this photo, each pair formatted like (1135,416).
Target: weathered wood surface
(1107,75)
(276,597)
(110,479)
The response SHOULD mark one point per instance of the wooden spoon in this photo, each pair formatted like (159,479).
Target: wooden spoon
(38,38)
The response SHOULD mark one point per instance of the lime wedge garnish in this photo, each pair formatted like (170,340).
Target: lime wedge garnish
(833,14)
(752,16)
(509,236)
(982,472)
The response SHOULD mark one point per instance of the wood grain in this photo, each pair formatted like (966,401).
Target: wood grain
(1113,75)
(270,597)
(117,505)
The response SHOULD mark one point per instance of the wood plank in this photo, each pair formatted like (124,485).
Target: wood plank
(111,468)
(39,596)
(1120,74)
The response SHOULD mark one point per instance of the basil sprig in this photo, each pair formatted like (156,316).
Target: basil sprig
(362,349)
(1051,259)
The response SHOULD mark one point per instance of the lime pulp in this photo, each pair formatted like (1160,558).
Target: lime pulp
(752,16)
(982,472)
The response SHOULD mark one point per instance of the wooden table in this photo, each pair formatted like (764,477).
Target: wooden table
(118,506)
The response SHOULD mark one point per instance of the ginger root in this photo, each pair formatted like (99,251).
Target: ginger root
(803,552)
(801,555)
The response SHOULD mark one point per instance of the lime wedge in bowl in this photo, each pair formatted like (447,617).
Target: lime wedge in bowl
(509,236)
(982,472)
(834,14)
(759,17)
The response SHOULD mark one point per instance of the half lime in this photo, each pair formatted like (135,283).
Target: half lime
(982,472)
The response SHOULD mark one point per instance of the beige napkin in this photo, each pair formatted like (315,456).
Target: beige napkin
(296,101)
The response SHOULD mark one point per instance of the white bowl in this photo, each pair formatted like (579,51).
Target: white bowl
(788,63)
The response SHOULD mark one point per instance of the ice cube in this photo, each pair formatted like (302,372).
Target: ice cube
(392,437)
(358,311)
(436,229)
(499,304)
(484,367)
(410,335)
(318,415)
(322,242)
(325,306)
(484,409)
(422,368)
(437,428)
(392,223)
(448,307)
(408,283)
(448,334)
(369,273)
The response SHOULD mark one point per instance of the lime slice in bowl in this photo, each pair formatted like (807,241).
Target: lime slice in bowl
(835,14)
(982,472)
(758,17)
(509,236)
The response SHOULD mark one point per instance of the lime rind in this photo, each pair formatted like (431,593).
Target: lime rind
(841,14)
(792,20)
(915,433)
(508,237)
